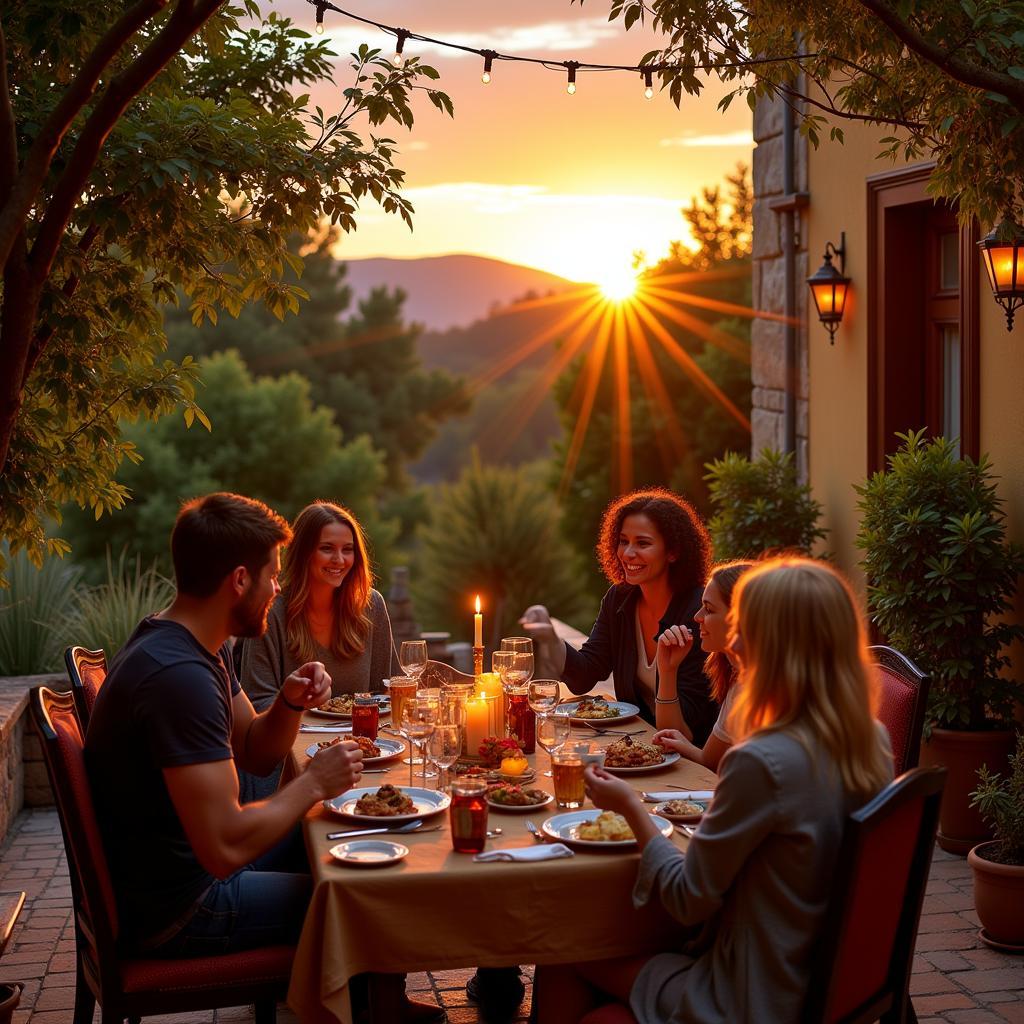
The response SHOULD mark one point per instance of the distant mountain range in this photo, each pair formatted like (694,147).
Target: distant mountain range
(451,291)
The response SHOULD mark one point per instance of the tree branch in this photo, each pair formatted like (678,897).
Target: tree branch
(965,72)
(184,22)
(8,139)
(25,190)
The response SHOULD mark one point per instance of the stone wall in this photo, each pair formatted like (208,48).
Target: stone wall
(23,781)
(768,337)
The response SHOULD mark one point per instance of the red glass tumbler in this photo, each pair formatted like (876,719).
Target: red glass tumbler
(520,721)
(468,815)
(365,716)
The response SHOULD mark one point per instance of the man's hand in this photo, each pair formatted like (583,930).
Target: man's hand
(337,769)
(673,646)
(309,685)
(536,623)
(608,792)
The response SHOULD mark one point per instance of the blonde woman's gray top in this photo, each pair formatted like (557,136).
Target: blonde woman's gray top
(757,877)
(266,661)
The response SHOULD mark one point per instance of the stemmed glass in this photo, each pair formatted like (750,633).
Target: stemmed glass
(543,695)
(552,734)
(419,719)
(445,745)
(520,670)
(412,656)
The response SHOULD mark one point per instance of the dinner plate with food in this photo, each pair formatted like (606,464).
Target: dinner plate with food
(341,706)
(597,830)
(687,812)
(388,803)
(628,756)
(597,710)
(374,751)
(510,797)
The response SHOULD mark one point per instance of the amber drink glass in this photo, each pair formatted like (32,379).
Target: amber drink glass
(567,767)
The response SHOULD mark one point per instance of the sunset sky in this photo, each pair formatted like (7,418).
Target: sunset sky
(525,172)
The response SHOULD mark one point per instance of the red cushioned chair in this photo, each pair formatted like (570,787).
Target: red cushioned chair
(864,959)
(133,987)
(863,962)
(86,670)
(904,694)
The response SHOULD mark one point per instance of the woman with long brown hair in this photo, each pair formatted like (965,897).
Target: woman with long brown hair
(328,611)
(757,872)
(720,666)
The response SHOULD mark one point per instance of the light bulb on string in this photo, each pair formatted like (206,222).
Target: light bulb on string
(649,83)
(571,66)
(320,19)
(398,60)
(488,56)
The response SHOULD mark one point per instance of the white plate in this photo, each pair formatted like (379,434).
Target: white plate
(383,703)
(670,758)
(518,810)
(627,712)
(686,819)
(563,828)
(368,853)
(427,801)
(389,750)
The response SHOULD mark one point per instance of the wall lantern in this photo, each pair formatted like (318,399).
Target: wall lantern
(1002,252)
(829,287)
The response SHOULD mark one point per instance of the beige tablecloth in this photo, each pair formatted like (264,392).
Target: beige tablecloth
(438,909)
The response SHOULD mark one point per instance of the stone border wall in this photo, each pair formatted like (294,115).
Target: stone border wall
(768,337)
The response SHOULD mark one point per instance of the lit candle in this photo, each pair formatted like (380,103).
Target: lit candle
(478,625)
(476,724)
(489,684)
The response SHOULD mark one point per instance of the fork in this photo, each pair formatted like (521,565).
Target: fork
(538,836)
(615,732)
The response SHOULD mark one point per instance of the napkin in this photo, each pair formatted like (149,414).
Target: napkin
(678,794)
(549,851)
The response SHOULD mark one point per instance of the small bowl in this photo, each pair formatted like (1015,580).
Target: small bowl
(685,819)
(368,853)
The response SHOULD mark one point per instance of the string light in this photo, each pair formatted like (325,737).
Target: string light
(570,66)
(398,60)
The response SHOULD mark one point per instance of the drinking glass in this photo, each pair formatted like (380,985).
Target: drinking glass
(444,746)
(567,766)
(402,689)
(468,815)
(552,733)
(517,643)
(419,718)
(544,695)
(412,656)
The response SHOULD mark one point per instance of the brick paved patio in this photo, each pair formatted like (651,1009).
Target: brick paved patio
(957,979)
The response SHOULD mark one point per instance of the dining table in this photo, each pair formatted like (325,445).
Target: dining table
(437,909)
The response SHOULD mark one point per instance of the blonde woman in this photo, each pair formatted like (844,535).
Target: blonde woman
(720,666)
(757,872)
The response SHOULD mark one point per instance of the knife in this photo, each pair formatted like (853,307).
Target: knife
(657,798)
(379,831)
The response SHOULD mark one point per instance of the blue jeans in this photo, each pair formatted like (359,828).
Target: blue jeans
(262,904)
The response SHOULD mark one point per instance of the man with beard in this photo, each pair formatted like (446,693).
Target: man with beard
(194,872)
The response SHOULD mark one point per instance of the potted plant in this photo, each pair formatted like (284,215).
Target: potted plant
(941,578)
(998,866)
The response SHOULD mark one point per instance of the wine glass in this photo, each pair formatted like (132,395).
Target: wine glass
(412,656)
(552,734)
(543,695)
(521,670)
(419,718)
(445,745)
(517,643)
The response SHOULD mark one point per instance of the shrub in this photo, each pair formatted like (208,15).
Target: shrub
(941,577)
(1001,803)
(760,506)
(31,609)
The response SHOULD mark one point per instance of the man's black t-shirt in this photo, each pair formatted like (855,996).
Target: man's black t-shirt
(165,702)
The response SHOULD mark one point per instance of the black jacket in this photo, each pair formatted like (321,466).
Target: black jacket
(611,648)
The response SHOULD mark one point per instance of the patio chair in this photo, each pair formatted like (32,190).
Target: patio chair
(86,670)
(133,987)
(864,958)
(904,695)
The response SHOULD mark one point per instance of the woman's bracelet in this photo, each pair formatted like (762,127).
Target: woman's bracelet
(288,704)
(666,700)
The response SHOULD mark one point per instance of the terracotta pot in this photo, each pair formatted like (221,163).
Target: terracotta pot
(963,753)
(998,896)
(10,996)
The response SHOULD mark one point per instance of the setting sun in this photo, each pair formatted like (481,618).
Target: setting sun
(618,283)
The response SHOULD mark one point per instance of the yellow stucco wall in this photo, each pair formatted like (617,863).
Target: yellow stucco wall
(837,178)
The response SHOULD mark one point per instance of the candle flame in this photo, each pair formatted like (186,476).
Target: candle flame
(478,604)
